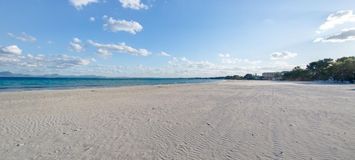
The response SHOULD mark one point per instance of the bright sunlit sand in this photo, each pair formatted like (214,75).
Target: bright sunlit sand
(222,120)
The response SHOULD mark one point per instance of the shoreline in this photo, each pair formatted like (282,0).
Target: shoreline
(188,83)
(100,87)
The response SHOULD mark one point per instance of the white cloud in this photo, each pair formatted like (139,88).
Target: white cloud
(343,36)
(12,56)
(337,18)
(164,54)
(239,61)
(133,4)
(92,19)
(108,49)
(79,4)
(76,40)
(43,62)
(54,62)
(65,61)
(11,50)
(122,25)
(228,59)
(23,37)
(283,55)
(184,67)
(76,45)
(9,54)
(224,55)
(4,60)
(184,62)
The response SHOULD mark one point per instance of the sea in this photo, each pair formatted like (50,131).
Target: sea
(43,83)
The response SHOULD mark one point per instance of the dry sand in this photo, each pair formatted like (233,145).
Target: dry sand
(224,120)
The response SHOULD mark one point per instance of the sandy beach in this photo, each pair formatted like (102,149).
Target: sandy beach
(222,120)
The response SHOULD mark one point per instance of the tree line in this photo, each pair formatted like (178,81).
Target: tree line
(342,69)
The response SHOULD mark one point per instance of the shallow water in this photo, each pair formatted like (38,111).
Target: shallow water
(38,83)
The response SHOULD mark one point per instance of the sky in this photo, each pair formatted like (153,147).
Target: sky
(171,38)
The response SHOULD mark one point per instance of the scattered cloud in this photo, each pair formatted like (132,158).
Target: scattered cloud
(343,36)
(133,4)
(108,49)
(76,45)
(114,25)
(164,54)
(184,62)
(92,19)
(9,54)
(337,18)
(65,61)
(285,55)
(23,37)
(221,55)
(228,59)
(53,62)
(79,4)
(13,56)
(176,66)
(43,62)
(11,50)
(188,68)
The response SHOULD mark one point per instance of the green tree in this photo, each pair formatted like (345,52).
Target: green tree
(235,77)
(297,74)
(249,77)
(321,70)
(344,69)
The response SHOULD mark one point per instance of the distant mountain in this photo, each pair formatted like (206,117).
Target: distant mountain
(10,74)
(70,76)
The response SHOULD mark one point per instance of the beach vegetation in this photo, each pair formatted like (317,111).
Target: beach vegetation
(342,70)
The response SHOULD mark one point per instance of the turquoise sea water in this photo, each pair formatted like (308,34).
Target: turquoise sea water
(36,83)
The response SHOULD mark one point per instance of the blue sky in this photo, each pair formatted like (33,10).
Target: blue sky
(171,38)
